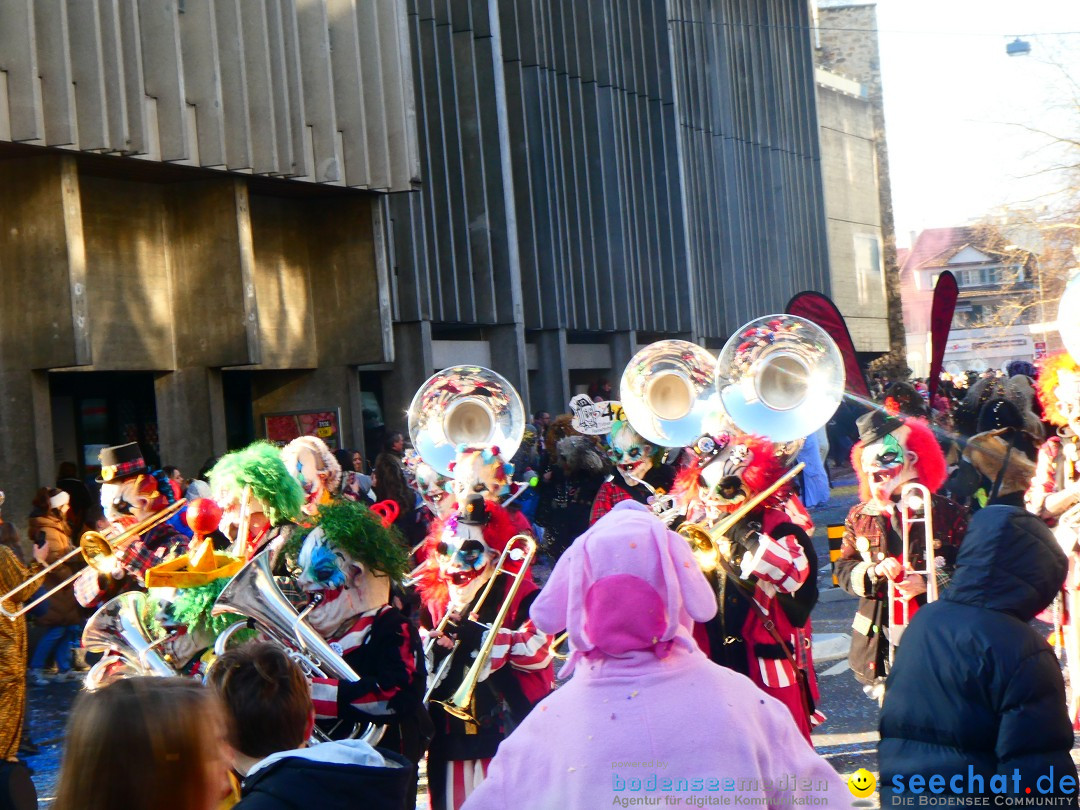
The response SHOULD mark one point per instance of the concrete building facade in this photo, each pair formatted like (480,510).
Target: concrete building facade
(857,165)
(599,175)
(192,236)
(219,214)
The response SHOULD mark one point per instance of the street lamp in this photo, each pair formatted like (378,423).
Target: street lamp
(1018,47)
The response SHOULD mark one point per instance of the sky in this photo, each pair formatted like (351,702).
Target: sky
(954,100)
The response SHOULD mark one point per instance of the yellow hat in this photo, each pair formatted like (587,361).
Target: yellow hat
(192,570)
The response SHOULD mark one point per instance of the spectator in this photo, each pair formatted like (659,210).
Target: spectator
(389,484)
(628,592)
(815,480)
(49,530)
(198,487)
(567,492)
(83,507)
(975,689)
(600,391)
(145,744)
(355,486)
(268,701)
(173,474)
(394,443)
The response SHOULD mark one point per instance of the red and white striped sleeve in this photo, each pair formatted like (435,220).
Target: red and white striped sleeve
(781,562)
(524,648)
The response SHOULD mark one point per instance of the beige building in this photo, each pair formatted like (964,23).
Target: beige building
(855,169)
(850,177)
(192,236)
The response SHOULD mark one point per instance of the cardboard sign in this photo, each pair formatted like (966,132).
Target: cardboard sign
(594,418)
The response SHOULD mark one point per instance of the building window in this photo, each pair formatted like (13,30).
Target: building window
(869,274)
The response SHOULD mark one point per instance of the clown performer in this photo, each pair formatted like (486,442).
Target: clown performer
(639,474)
(350,558)
(459,563)
(1054,495)
(890,453)
(254,485)
(309,461)
(182,591)
(131,494)
(762,571)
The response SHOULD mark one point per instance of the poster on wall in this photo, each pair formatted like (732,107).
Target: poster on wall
(282,428)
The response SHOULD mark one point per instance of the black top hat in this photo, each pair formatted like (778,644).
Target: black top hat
(121,461)
(876,424)
(475,512)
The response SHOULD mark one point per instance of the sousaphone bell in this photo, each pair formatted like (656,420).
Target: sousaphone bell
(468,405)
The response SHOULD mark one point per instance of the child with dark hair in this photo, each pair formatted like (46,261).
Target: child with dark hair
(268,700)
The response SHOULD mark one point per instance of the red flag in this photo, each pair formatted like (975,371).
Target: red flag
(820,309)
(941,315)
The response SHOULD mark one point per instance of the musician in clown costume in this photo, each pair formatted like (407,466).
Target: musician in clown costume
(460,560)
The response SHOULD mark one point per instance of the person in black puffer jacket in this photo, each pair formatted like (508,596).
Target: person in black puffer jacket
(976,691)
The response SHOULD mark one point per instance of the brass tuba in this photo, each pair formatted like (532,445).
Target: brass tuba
(468,405)
(781,377)
(118,626)
(254,593)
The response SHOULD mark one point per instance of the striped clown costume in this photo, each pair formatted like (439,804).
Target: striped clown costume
(771,552)
(349,559)
(461,558)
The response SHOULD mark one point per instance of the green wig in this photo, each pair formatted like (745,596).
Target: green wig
(359,532)
(260,467)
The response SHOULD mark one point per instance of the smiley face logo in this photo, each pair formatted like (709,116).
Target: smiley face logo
(861,783)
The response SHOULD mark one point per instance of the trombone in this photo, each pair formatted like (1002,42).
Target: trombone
(458,703)
(914,499)
(96,548)
(706,540)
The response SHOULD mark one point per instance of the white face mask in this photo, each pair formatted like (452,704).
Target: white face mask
(631,455)
(348,589)
(465,561)
(888,465)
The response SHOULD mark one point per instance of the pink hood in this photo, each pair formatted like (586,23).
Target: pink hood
(627,584)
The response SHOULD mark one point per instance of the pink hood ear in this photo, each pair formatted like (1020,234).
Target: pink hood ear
(629,583)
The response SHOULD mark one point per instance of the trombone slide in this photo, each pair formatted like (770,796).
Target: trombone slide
(90,543)
(914,498)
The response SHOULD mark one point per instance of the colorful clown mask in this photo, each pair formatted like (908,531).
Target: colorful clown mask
(629,452)
(466,561)
(131,500)
(480,471)
(345,586)
(888,464)
(436,489)
(310,461)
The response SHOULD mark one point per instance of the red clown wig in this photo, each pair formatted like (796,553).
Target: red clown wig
(1047,381)
(762,471)
(930,466)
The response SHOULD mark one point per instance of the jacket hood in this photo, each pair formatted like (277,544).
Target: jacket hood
(334,772)
(1008,561)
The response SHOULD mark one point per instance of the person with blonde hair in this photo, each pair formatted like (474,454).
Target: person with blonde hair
(145,744)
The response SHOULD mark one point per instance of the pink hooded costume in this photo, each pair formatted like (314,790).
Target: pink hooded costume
(646,714)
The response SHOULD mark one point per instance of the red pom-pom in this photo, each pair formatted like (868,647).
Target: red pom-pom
(203,516)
